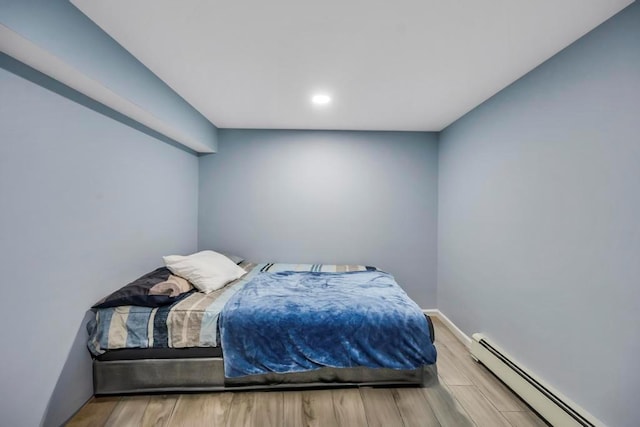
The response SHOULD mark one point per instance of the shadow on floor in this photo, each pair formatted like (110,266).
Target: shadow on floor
(443,403)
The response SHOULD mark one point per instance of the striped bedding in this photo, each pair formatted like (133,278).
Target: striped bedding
(190,322)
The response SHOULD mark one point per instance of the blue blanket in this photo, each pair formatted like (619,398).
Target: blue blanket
(293,322)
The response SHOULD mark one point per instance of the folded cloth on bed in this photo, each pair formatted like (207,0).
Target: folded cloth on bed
(172,287)
(294,322)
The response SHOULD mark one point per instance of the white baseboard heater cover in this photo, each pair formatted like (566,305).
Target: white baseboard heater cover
(551,405)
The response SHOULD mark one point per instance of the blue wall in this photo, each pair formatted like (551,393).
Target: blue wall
(331,197)
(87,205)
(58,27)
(539,220)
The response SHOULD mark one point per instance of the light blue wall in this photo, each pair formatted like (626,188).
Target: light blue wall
(539,231)
(87,205)
(329,197)
(58,27)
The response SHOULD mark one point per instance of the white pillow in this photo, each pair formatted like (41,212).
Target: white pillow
(207,270)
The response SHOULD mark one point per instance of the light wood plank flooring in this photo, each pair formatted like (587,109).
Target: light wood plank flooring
(467,394)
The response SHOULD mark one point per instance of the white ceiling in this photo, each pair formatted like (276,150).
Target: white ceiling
(389,65)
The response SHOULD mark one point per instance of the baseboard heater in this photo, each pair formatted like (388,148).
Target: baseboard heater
(551,405)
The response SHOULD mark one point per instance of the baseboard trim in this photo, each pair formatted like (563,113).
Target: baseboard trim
(548,402)
(462,337)
(431,311)
(467,341)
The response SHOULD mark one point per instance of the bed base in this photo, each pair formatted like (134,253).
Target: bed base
(207,374)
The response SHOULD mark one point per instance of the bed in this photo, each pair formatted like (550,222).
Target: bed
(279,325)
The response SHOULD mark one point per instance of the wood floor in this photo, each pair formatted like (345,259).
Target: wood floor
(467,394)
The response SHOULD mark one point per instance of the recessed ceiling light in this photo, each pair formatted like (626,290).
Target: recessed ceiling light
(321,99)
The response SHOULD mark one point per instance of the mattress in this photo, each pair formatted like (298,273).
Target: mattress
(191,322)
(160,353)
